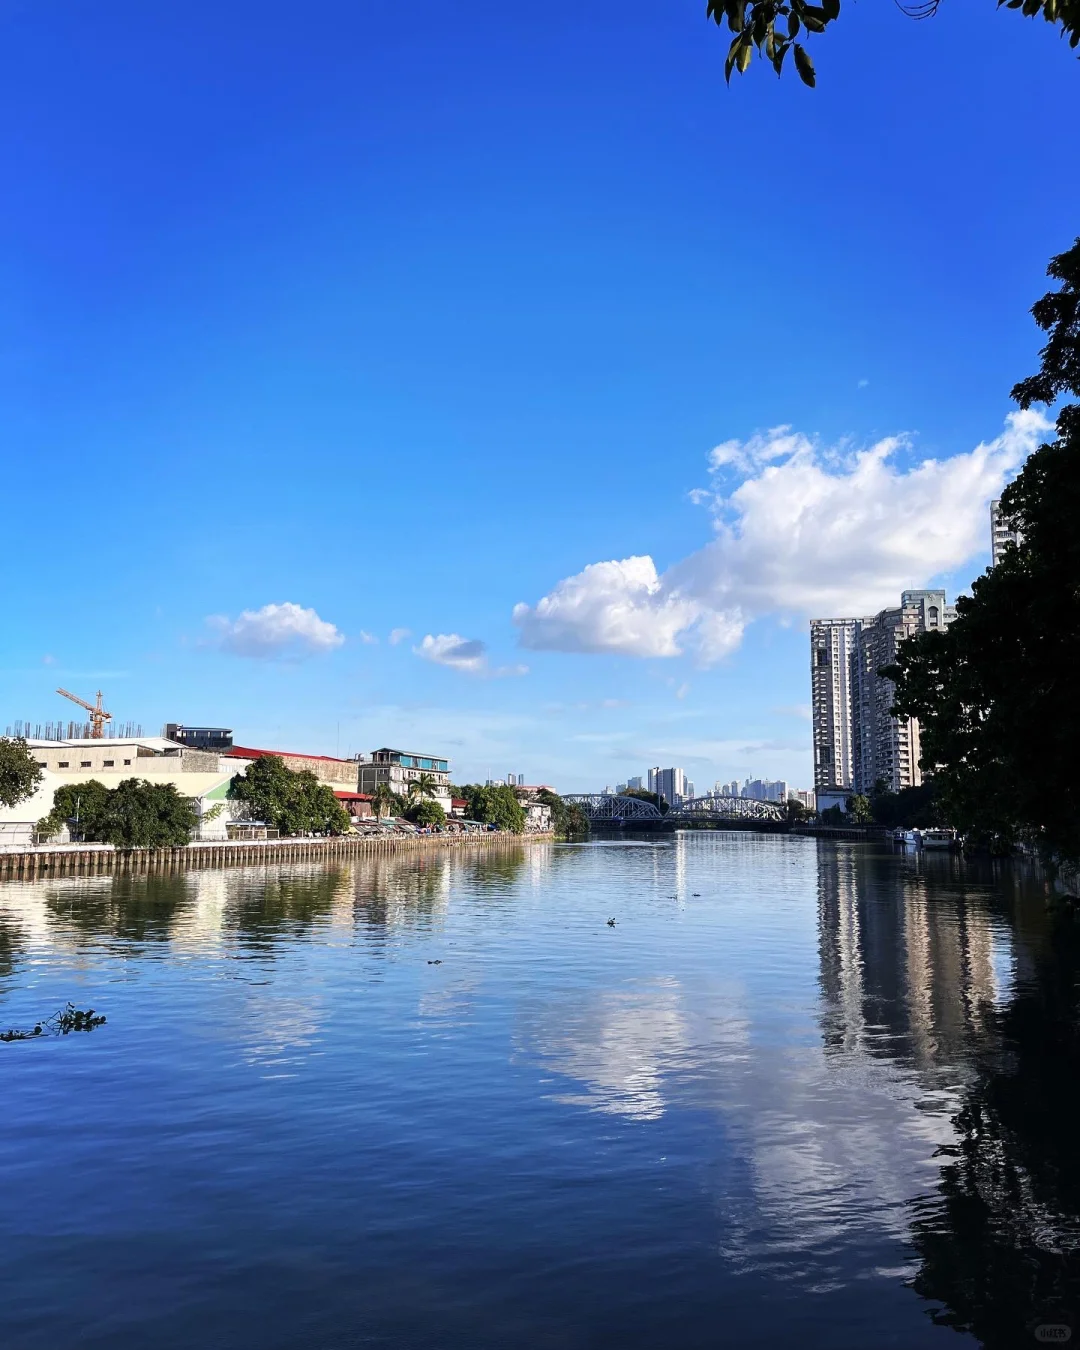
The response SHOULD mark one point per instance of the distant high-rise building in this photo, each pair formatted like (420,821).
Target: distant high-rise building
(832,643)
(668,783)
(634,783)
(1000,533)
(885,748)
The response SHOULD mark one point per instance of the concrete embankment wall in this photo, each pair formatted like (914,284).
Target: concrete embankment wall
(82,862)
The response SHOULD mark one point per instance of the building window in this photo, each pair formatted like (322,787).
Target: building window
(63,764)
(108,763)
(42,764)
(127,761)
(84,763)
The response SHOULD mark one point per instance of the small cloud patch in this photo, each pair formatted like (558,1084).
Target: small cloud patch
(275,633)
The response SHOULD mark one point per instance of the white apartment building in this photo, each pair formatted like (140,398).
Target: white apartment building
(1000,533)
(671,784)
(886,748)
(832,645)
(857,740)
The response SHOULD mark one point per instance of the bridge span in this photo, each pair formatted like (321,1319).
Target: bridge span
(606,808)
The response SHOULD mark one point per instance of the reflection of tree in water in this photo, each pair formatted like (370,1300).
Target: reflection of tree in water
(11,946)
(999,1242)
(411,888)
(129,906)
(276,900)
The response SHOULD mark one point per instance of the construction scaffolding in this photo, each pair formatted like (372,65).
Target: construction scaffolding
(72,731)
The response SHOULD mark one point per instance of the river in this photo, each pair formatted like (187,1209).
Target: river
(800,1093)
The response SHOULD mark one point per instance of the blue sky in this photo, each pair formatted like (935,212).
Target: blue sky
(404,318)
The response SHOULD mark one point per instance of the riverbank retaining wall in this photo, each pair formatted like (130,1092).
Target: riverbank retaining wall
(39,863)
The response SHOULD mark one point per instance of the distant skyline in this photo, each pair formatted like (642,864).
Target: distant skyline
(484,386)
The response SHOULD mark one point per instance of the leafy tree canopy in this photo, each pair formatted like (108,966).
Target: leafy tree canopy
(423,785)
(912,808)
(386,802)
(567,818)
(135,814)
(293,803)
(496,805)
(858,809)
(79,805)
(19,771)
(661,803)
(425,812)
(774,27)
(996,692)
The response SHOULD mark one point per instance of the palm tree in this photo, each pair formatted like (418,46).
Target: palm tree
(423,785)
(384,797)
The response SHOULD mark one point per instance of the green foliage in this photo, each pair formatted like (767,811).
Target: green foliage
(912,808)
(81,806)
(425,812)
(141,814)
(135,814)
(386,802)
(496,806)
(772,26)
(661,803)
(832,815)
(567,818)
(19,771)
(996,692)
(795,811)
(61,1023)
(423,785)
(294,803)
(858,809)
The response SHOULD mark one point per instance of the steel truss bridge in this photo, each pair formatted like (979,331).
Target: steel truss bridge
(607,808)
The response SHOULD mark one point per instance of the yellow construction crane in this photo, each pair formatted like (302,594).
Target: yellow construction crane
(98,715)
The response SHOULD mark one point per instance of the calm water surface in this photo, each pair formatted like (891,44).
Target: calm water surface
(801,1093)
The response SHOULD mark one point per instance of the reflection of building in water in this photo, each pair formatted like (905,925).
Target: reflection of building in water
(907,972)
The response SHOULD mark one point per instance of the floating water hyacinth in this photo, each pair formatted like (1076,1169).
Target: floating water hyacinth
(66,1020)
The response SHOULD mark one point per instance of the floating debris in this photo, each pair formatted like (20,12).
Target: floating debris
(68,1019)
(434,963)
(611,923)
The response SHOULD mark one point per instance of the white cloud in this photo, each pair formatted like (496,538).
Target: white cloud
(398,635)
(862,384)
(275,632)
(609,607)
(368,639)
(465,654)
(806,531)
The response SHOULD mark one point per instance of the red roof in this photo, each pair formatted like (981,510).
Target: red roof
(458,801)
(246,752)
(352,796)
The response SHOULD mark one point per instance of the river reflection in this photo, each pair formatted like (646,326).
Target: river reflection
(811,1089)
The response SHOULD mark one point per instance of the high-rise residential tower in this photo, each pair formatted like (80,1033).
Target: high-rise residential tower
(832,644)
(1000,533)
(886,748)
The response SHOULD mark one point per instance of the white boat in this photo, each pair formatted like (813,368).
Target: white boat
(910,838)
(939,838)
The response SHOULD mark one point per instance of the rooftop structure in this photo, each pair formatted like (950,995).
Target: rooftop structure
(199,738)
(397,769)
(326,768)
